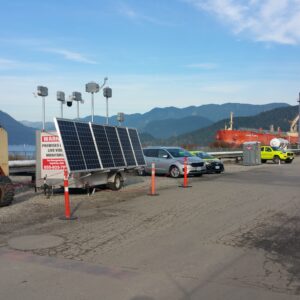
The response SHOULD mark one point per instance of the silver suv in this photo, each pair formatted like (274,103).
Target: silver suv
(170,160)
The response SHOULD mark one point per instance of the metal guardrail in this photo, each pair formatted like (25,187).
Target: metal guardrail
(227,154)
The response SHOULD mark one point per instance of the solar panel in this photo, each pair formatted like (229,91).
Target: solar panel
(126,145)
(88,146)
(71,145)
(115,146)
(137,148)
(91,147)
(103,146)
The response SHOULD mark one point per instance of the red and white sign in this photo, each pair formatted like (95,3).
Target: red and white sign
(52,157)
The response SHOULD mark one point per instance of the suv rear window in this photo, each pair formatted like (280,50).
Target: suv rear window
(151,152)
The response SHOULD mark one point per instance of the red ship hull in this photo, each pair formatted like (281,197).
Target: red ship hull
(236,138)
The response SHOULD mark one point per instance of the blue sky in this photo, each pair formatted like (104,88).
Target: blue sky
(155,53)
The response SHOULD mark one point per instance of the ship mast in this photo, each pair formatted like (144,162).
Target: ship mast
(231,121)
(293,127)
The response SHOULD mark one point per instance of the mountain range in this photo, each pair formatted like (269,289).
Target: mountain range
(18,134)
(278,117)
(172,121)
(170,124)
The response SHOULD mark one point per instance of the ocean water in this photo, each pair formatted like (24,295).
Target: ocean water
(22,151)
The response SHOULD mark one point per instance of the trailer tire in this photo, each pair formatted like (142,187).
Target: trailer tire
(117,183)
(6,191)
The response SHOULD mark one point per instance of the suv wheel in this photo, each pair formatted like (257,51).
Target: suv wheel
(276,160)
(174,172)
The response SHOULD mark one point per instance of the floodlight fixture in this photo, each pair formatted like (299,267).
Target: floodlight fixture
(60,96)
(93,87)
(76,96)
(42,91)
(120,118)
(107,93)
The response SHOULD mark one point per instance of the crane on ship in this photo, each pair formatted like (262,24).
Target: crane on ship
(294,125)
(230,122)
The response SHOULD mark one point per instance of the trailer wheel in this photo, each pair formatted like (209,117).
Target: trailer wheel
(117,183)
(6,191)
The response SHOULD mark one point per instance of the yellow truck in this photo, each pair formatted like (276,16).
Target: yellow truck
(276,154)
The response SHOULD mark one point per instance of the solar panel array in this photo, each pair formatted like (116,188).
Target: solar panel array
(91,147)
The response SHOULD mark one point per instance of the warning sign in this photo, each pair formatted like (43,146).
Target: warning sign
(52,157)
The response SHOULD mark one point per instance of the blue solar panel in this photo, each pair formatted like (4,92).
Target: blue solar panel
(91,147)
(137,148)
(115,146)
(71,145)
(103,146)
(87,145)
(126,146)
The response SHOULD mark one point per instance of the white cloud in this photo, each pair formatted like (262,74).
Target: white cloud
(70,55)
(134,15)
(8,64)
(203,66)
(276,21)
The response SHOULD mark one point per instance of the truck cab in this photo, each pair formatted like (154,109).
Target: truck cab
(276,154)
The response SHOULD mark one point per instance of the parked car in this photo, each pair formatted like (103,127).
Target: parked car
(276,154)
(213,164)
(170,161)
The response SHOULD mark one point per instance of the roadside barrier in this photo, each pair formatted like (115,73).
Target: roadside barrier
(153,187)
(68,215)
(185,176)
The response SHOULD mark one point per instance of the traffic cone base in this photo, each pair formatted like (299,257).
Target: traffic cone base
(71,218)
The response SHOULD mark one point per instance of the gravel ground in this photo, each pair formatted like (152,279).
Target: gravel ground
(30,207)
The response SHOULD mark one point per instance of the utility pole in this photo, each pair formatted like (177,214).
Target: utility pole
(42,91)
